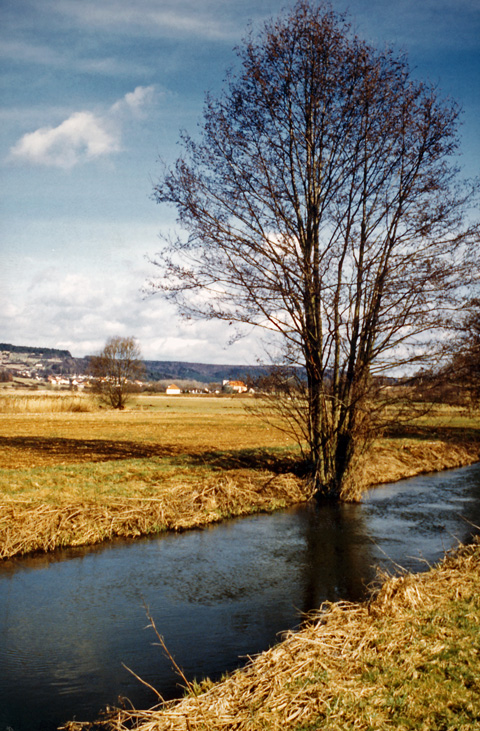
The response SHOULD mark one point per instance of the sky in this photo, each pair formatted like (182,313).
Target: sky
(93,96)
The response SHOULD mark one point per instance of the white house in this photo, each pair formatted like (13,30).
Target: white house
(237,386)
(172,390)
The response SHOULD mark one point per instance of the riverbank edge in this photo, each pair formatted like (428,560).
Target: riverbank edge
(28,527)
(406,658)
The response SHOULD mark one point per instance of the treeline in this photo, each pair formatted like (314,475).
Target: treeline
(49,352)
(159,370)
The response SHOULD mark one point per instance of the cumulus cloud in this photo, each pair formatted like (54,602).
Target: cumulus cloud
(79,311)
(83,136)
(135,101)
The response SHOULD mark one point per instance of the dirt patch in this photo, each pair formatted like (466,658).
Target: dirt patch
(27,451)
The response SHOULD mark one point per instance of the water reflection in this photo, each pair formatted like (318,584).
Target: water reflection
(417,520)
(334,567)
(70,621)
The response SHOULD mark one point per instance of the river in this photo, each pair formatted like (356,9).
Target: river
(70,622)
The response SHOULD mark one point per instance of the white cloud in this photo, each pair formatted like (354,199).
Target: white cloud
(80,137)
(38,54)
(135,101)
(83,136)
(220,21)
(79,311)
(212,19)
(32,53)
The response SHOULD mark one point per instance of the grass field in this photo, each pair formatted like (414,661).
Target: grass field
(73,474)
(71,478)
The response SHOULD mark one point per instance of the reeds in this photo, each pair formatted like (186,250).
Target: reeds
(406,659)
(27,525)
(46,403)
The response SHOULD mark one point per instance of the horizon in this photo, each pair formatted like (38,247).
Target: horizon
(32,348)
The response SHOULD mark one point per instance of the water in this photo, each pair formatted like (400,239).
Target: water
(71,622)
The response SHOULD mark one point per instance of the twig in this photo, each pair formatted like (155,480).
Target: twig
(177,668)
(167,652)
(160,697)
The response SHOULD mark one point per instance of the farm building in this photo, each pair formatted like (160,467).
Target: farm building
(238,386)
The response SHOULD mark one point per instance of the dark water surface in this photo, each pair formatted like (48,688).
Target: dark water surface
(69,622)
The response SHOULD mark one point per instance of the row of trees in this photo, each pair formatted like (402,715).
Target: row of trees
(457,379)
(463,368)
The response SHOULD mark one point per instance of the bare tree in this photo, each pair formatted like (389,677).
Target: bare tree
(458,380)
(115,370)
(320,203)
(466,362)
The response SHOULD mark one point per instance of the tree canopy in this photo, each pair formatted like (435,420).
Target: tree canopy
(321,202)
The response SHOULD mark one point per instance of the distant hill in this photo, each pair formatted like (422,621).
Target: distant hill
(48,352)
(163,370)
(23,359)
(26,361)
(39,363)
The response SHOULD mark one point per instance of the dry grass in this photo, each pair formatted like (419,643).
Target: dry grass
(73,478)
(28,525)
(391,460)
(11,403)
(407,659)
(158,425)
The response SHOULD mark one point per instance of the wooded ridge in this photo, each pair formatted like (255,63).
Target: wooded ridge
(44,361)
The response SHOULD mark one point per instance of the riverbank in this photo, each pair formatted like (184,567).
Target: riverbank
(171,505)
(84,478)
(65,512)
(408,658)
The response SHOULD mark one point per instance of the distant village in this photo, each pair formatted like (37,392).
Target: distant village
(31,366)
(60,370)
(234,386)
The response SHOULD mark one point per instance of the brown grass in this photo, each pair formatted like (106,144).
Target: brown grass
(392,460)
(181,425)
(31,525)
(171,463)
(406,659)
(11,403)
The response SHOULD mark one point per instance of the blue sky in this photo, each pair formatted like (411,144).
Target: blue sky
(93,94)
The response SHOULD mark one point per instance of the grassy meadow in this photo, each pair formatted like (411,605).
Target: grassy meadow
(73,474)
(166,463)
